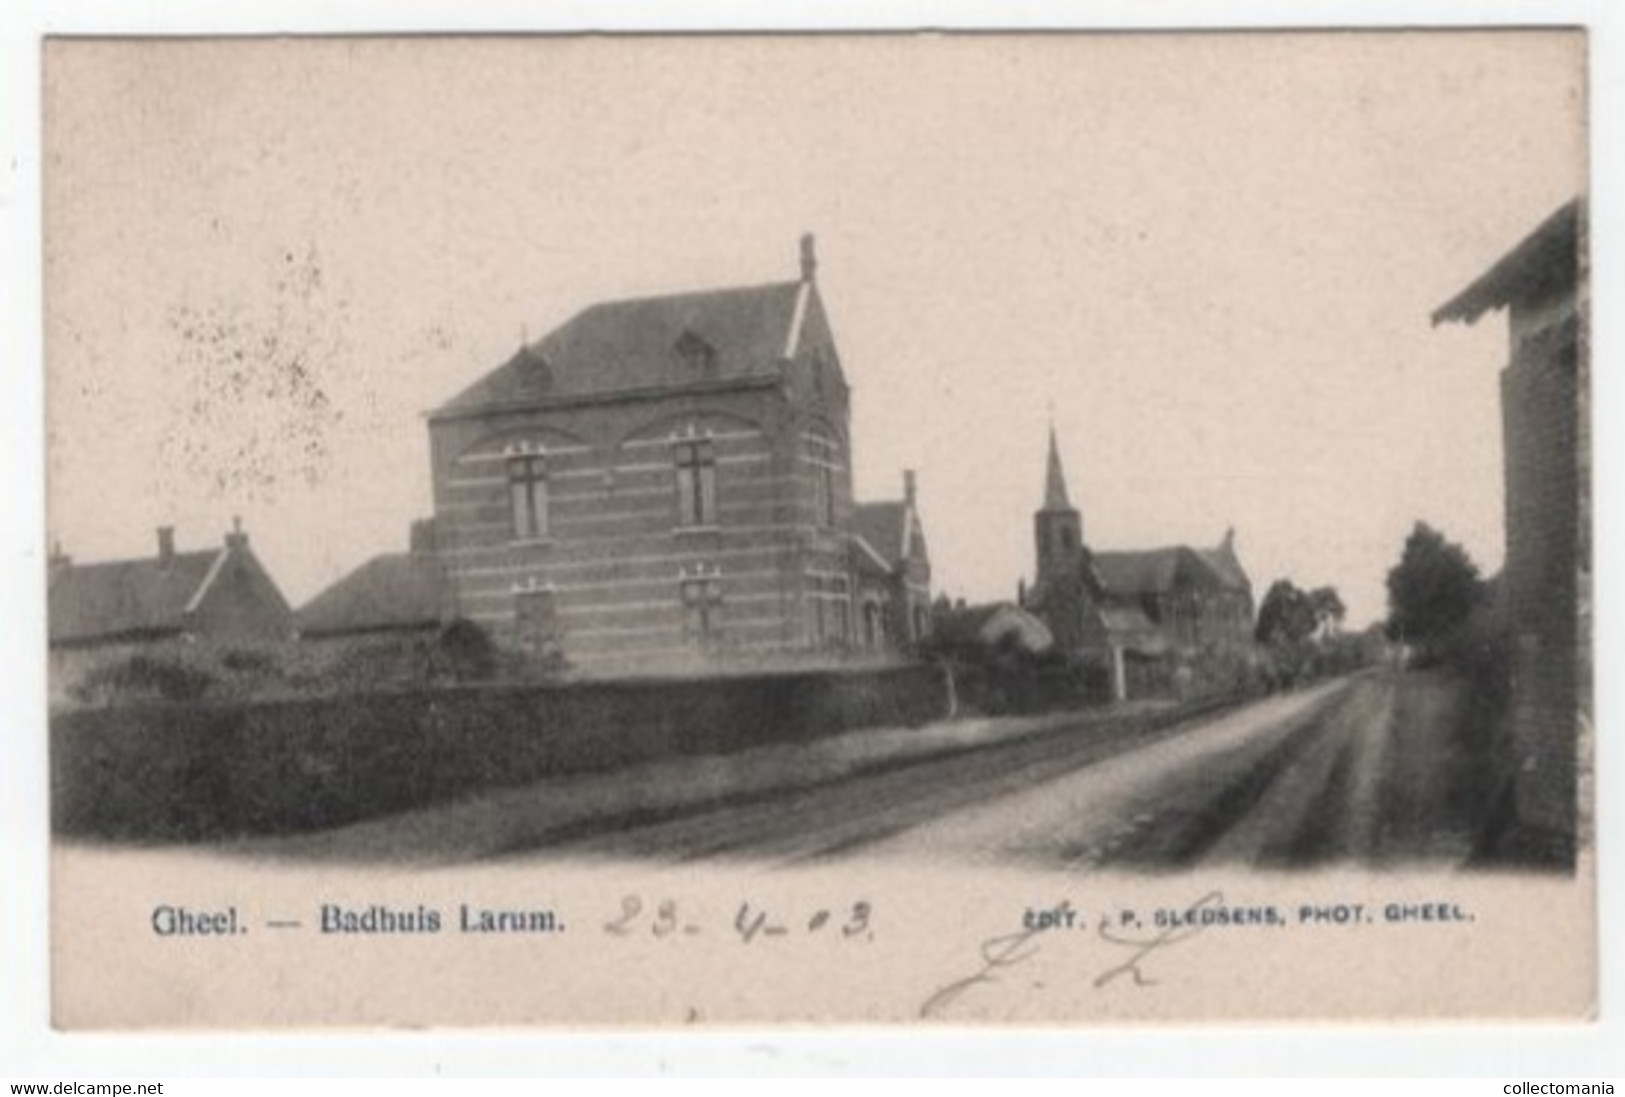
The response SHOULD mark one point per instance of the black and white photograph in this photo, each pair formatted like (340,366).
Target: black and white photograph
(1057,527)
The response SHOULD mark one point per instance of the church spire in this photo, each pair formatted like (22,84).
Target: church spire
(1055,497)
(1057,527)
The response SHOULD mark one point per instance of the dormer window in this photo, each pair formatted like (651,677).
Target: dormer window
(538,374)
(698,357)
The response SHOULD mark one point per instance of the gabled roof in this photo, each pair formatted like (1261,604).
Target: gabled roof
(867,559)
(1156,571)
(890,528)
(623,346)
(1223,562)
(1544,262)
(127,598)
(884,526)
(394,591)
(1152,571)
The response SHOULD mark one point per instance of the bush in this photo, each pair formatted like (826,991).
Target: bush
(467,652)
(218,768)
(248,661)
(143,676)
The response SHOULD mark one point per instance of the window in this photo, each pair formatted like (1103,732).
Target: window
(702,610)
(536,620)
(824,494)
(697,356)
(822,456)
(527,493)
(696,483)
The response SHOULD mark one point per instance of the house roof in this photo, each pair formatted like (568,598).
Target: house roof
(649,342)
(127,598)
(1223,562)
(884,526)
(1544,262)
(868,559)
(393,591)
(1129,626)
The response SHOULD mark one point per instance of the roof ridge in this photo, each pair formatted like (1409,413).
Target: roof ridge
(127,561)
(712,291)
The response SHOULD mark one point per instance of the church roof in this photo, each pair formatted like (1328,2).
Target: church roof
(652,342)
(1151,571)
(394,591)
(1055,497)
(1156,571)
(127,598)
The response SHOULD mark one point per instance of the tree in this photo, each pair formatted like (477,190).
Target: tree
(1287,615)
(1432,590)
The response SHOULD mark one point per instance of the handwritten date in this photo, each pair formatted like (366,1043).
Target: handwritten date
(663,918)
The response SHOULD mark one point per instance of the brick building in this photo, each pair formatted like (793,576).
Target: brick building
(1142,613)
(667,482)
(1546,582)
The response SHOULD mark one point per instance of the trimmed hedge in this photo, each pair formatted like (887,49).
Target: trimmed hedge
(204,770)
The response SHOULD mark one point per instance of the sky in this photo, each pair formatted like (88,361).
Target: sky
(1209,260)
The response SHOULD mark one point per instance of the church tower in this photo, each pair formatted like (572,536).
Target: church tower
(1057,526)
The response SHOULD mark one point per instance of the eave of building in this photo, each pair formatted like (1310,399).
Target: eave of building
(792,342)
(208,581)
(1539,262)
(591,399)
(122,636)
(869,550)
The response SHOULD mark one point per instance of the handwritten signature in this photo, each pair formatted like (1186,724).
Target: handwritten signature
(1144,947)
(1001,954)
(998,955)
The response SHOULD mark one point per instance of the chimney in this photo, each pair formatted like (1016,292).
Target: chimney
(1229,543)
(809,258)
(236,539)
(166,544)
(908,488)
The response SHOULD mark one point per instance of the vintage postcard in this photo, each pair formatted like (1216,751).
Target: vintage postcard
(899,528)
